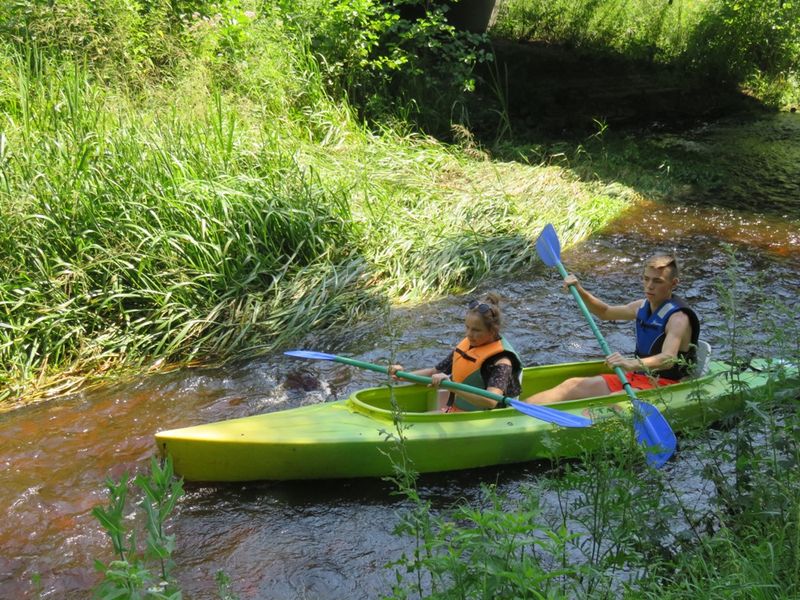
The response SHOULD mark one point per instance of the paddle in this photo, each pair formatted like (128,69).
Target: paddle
(551,415)
(652,429)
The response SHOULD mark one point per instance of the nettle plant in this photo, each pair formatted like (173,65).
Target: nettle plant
(140,572)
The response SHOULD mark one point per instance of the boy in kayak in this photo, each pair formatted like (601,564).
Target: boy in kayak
(484,359)
(667,332)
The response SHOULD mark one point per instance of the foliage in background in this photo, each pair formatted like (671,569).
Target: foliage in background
(644,29)
(736,38)
(386,58)
(754,42)
(391,59)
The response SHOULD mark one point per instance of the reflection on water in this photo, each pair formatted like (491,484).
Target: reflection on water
(331,539)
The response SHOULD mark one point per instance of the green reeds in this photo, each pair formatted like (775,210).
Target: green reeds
(136,238)
(134,233)
(155,222)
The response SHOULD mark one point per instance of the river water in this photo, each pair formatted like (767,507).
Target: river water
(332,539)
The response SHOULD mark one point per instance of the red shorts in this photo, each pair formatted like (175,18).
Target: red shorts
(638,381)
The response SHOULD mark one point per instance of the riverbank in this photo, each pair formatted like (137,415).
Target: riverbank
(209,192)
(134,240)
(145,224)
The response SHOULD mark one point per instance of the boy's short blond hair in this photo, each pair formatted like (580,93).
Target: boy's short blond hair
(664,261)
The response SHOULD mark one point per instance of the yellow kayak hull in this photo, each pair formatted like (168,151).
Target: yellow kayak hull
(357,437)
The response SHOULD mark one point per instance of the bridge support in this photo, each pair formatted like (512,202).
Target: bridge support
(472,15)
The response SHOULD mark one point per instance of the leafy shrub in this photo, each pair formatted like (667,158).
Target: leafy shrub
(736,38)
(117,38)
(397,58)
(752,42)
(140,573)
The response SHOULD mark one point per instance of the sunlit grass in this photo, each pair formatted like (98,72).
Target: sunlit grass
(642,28)
(179,222)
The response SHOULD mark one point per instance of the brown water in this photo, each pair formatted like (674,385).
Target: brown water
(331,539)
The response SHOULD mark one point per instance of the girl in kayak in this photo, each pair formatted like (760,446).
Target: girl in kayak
(483,359)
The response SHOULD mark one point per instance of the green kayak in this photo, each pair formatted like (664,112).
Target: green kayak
(351,438)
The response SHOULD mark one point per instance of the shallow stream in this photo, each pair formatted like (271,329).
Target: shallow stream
(332,539)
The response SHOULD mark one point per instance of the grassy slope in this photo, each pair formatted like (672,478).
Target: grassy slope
(233,204)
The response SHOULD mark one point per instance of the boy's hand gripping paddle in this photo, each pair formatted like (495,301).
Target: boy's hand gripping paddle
(650,426)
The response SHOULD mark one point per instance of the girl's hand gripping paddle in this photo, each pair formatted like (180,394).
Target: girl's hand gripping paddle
(551,415)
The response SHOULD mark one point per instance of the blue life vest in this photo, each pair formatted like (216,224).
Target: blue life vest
(651,332)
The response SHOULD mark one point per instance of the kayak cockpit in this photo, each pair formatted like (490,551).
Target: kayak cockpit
(419,401)
(413,400)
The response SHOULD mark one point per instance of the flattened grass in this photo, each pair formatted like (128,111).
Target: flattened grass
(182,223)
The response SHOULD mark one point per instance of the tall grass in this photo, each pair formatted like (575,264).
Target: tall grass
(644,29)
(225,201)
(158,236)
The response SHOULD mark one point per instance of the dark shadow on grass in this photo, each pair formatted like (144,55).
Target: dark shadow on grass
(646,126)
(555,91)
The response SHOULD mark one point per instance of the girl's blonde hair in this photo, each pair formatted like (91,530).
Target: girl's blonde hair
(489,311)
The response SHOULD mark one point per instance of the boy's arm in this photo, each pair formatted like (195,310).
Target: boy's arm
(622,312)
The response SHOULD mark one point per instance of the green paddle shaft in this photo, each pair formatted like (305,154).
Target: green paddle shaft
(550,415)
(648,425)
(596,330)
(451,385)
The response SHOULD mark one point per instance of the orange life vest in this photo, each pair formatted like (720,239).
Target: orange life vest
(467,363)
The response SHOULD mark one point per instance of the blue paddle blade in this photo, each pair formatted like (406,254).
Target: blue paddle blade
(654,433)
(548,246)
(551,415)
(310,354)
